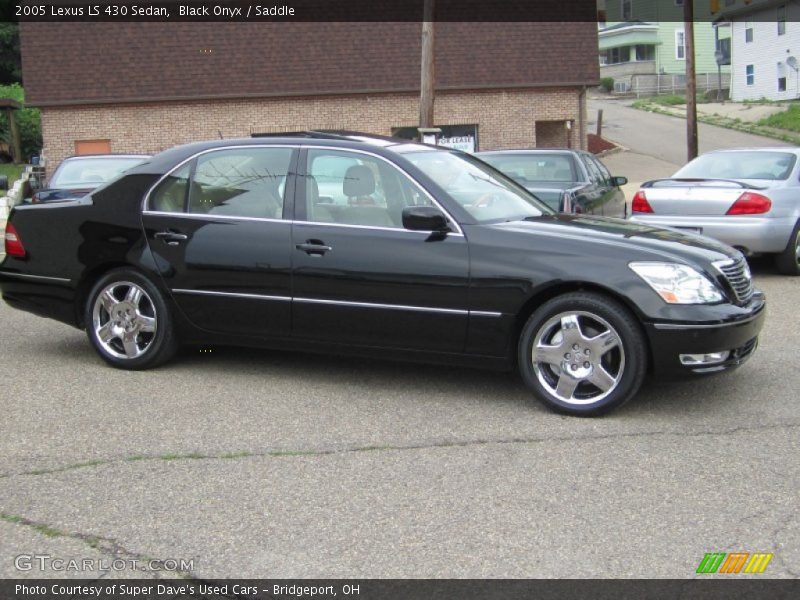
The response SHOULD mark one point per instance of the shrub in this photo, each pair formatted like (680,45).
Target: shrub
(607,83)
(28,122)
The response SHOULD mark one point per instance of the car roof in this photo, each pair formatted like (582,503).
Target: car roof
(790,149)
(82,156)
(165,161)
(530,151)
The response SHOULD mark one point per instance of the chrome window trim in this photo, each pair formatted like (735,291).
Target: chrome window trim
(146,199)
(458,232)
(36,277)
(210,217)
(231,295)
(376,227)
(430,309)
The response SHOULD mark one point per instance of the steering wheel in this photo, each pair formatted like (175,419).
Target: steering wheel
(485,200)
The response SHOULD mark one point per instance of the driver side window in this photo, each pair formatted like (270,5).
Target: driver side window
(357,189)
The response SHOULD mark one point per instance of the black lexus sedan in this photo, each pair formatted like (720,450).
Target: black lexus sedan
(366,245)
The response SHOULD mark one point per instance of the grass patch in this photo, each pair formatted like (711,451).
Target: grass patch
(237,455)
(181,456)
(47,531)
(293,453)
(788,119)
(10,518)
(13,172)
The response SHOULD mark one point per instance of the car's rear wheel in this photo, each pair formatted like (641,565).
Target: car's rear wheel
(582,354)
(788,261)
(128,322)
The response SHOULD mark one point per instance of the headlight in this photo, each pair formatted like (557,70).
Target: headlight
(677,284)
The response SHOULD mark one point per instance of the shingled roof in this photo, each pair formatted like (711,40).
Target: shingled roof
(91,63)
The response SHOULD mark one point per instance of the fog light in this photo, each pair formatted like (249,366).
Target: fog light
(712,358)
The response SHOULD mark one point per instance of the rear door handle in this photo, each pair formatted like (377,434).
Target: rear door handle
(314,247)
(171,238)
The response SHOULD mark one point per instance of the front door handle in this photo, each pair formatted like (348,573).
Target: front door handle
(172,238)
(314,247)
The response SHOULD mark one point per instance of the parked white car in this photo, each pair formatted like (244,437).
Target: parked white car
(748,198)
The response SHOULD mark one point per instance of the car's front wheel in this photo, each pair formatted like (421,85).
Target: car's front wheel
(583,354)
(128,322)
(788,262)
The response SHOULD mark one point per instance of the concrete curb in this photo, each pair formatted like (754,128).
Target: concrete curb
(615,150)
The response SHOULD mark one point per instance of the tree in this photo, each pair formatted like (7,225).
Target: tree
(10,62)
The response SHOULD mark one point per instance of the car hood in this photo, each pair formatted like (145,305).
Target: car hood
(644,242)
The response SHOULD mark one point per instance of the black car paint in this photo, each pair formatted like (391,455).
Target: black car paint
(601,198)
(483,281)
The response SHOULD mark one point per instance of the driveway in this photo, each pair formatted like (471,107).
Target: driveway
(661,136)
(252,463)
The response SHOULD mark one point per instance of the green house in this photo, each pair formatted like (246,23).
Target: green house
(643,46)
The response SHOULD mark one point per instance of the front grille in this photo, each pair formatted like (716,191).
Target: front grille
(737,276)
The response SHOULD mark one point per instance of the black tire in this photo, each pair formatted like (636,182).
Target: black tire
(136,332)
(593,323)
(788,261)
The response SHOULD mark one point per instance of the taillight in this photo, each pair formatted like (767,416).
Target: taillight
(750,203)
(640,203)
(14,245)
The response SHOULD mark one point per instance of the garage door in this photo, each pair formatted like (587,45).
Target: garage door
(92,147)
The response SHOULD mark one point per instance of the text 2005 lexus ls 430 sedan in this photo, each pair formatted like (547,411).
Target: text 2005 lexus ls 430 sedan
(362,244)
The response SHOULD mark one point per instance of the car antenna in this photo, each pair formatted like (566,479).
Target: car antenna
(220,134)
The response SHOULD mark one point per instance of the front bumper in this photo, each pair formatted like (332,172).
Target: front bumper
(751,234)
(738,335)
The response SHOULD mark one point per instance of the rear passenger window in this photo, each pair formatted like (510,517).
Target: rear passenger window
(170,196)
(246,182)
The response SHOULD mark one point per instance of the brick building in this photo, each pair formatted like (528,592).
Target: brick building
(144,87)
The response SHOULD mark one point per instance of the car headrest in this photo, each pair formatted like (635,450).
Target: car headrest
(358,181)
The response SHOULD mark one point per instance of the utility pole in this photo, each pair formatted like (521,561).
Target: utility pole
(427,92)
(691,89)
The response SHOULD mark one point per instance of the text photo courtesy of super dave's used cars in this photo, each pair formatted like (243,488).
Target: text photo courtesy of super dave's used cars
(361,244)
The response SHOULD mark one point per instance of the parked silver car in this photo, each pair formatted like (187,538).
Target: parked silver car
(748,198)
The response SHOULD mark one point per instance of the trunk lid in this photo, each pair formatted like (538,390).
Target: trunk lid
(708,197)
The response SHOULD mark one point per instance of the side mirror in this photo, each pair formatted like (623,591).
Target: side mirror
(3,182)
(424,218)
(619,181)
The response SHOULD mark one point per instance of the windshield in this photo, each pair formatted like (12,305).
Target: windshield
(92,172)
(529,168)
(483,192)
(740,165)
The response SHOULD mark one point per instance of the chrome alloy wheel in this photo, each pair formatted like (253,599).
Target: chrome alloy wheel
(124,320)
(578,357)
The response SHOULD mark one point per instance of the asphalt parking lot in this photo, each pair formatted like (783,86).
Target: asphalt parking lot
(269,464)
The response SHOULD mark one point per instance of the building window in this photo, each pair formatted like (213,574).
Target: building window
(626,9)
(614,56)
(748,31)
(645,52)
(782,19)
(781,84)
(678,2)
(750,74)
(680,44)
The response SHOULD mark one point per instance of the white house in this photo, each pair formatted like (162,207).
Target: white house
(765,49)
